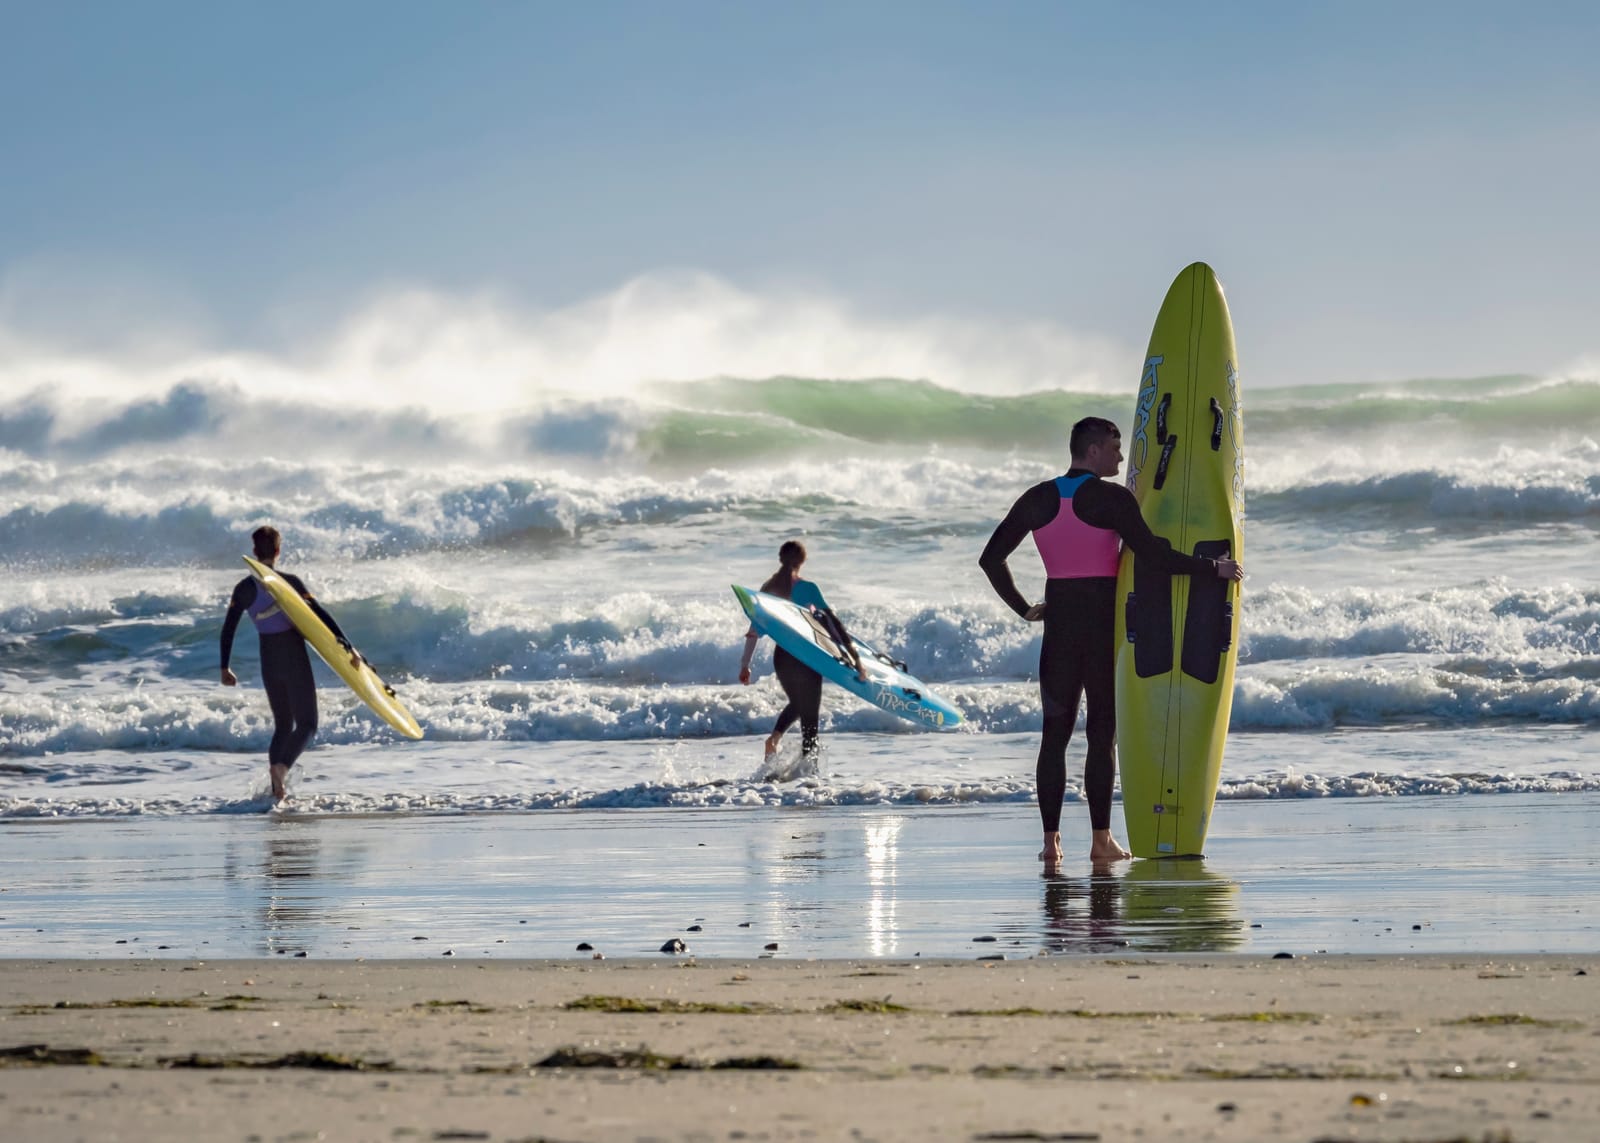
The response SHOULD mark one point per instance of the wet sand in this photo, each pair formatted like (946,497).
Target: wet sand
(1499,875)
(1229,1047)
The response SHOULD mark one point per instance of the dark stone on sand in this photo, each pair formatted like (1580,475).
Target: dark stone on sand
(693,929)
(742,924)
(45,1054)
(772,947)
(1581,972)
(983,940)
(1283,956)
(674,946)
(585,946)
(1228,1108)
(1416,928)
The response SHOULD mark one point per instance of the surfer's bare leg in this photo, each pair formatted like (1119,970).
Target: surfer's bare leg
(279,774)
(1051,853)
(1104,847)
(772,743)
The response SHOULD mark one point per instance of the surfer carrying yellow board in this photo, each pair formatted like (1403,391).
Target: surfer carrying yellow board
(801,685)
(285,666)
(1079,522)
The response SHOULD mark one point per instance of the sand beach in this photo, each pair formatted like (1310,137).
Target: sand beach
(1404,970)
(1364,1048)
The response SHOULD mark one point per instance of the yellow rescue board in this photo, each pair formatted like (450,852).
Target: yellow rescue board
(1178,636)
(362,679)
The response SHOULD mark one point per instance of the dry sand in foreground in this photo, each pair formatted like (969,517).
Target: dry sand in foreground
(1333,1048)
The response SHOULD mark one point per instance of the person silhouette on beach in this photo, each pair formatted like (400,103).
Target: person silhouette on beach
(801,685)
(1079,522)
(285,665)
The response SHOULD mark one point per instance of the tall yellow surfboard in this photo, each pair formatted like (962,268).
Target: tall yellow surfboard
(1178,636)
(360,678)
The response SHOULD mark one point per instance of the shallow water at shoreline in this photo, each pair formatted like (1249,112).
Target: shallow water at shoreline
(1511,873)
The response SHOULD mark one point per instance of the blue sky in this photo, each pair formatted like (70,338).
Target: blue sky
(1387,190)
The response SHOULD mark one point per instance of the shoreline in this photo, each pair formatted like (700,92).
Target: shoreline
(1496,876)
(1353,1047)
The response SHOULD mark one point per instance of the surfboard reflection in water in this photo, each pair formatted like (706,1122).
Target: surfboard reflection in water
(1155,906)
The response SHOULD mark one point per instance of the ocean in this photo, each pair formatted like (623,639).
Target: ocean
(547,586)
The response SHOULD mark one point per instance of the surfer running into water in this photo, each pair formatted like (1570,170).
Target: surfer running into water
(1076,521)
(801,685)
(285,666)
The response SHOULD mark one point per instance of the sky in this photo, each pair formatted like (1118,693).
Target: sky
(986,194)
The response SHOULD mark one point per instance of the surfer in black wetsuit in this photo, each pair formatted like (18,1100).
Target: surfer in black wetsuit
(1077,521)
(285,665)
(801,685)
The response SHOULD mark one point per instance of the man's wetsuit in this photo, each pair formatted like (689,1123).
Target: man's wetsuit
(285,665)
(1078,652)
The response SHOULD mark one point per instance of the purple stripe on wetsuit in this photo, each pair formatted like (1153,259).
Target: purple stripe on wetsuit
(267,615)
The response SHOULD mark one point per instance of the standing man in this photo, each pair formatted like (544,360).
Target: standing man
(1079,522)
(285,665)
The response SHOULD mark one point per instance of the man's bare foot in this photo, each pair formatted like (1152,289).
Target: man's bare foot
(1051,853)
(772,744)
(280,791)
(1104,847)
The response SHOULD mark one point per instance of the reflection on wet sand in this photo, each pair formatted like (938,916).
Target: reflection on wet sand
(883,861)
(1174,905)
(288,888)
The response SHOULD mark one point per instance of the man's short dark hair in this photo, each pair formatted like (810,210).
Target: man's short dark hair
(266,542)
(1092,431)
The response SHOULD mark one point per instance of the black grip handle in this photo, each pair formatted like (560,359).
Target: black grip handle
(1161,418)
(1166,459)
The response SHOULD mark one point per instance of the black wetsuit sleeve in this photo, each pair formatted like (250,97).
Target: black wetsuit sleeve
(1103,504)
(295,582)
(243,592)
(1033,510)
(841,635)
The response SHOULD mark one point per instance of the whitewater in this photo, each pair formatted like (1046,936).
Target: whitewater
(546,583)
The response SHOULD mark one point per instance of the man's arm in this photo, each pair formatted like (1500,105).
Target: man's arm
(317,609)
(1107,505)
(243,593)
(1034,509)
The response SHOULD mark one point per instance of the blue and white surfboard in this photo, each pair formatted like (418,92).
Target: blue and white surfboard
(888,685)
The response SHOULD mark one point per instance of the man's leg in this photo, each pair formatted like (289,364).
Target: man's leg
(810,704)
(302,685)
(789,671)
(804,688)
(1060,689)
(1100,765)
(277,687)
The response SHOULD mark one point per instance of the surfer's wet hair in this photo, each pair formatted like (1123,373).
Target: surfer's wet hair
(790,556)
(1092,431)
(266,541)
